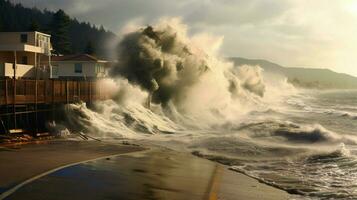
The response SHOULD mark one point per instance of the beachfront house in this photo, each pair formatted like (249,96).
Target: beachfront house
(21,54)
(79,67)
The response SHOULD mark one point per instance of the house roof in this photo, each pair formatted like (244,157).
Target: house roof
(76,57)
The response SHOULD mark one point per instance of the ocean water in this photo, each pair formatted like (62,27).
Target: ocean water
(306,147)
(305,143)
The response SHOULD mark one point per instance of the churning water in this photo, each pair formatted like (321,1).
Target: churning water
(301,141)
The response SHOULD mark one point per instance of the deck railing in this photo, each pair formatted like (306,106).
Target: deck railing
(50,91)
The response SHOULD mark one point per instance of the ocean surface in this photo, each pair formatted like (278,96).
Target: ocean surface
(305,143)
(306,146)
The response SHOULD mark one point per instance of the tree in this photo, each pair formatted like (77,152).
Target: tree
(34,26)
(60,27)
(1,24)
(89,48)
(102,29)
(68,34)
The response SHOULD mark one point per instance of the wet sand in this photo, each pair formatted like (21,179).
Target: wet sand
(154,173)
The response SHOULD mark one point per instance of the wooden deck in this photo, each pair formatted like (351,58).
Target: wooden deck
(28,105)
(50,91)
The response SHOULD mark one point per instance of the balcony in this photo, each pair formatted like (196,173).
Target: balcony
(22,47)
(34,42)
(25,71)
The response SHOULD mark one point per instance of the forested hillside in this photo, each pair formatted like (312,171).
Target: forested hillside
(68,34)
(304,77)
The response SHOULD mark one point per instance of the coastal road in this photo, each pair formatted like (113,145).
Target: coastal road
(149,174)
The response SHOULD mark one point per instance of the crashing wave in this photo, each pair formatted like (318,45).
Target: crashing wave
(341,152)
(178,74)
(293,133)
(108,119)
(350,115)
(341,113)
(183,82)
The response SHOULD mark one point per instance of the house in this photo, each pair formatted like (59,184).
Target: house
(21,54)
(79,66)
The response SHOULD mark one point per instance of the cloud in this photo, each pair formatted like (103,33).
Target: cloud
(236,12)
(290,32)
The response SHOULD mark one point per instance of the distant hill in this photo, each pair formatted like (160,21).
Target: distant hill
(304,77)
(82,36)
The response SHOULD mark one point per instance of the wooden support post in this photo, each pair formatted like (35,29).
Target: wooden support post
(44,91)
(53,91)
(6,93)
(6,105)
(27,106)
(36,95)
(4,127)
(36,117)
(14,92)
(27,116)
(24,82)
(67,93)
(53,100)
(50,65)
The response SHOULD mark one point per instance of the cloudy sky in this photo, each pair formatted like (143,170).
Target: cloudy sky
(297,33)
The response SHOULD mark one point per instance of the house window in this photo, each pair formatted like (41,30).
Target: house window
(24,60)
(54,70)
(23,38)
(99,68)
(78,68)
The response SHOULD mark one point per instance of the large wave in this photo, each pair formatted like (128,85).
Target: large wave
(183,78)
(166,81)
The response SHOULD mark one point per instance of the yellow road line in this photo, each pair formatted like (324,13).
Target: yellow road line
(214,183)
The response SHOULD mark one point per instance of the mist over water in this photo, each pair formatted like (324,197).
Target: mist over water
(301,141)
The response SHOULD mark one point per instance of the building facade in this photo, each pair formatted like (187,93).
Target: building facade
(80,66)
(21,54)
